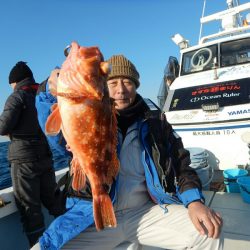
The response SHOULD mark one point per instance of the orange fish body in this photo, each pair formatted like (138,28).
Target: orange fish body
(87,119)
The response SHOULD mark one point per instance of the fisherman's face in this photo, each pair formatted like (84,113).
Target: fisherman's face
(123,91)
(52,81)
(13,85)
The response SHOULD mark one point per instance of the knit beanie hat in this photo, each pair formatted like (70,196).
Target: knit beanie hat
(19,72)
(121,66)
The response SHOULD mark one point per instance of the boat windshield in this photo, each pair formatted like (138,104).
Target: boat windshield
(235,52)
(231,53)
(199,60)
(210,96)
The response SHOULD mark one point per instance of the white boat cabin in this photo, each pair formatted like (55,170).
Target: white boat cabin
(207,97)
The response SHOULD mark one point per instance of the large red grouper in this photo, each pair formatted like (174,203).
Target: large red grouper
(87,119)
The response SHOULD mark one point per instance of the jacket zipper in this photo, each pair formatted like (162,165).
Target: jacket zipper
(156,188)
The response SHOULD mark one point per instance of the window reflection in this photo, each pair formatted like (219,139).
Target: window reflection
(231,53)
(235,52)
(199,60)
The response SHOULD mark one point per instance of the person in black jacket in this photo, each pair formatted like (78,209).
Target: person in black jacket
(32,172)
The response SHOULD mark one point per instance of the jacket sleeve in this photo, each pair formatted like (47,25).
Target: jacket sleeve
(189,184)
(44,102)
(11,113)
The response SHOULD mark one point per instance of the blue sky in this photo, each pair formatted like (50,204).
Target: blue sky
(37,31)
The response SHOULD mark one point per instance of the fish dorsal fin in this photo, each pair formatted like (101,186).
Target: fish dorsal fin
(54,121)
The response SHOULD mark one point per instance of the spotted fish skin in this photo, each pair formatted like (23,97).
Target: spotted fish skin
(87,119)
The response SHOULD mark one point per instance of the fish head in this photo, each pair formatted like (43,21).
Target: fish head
(83,73)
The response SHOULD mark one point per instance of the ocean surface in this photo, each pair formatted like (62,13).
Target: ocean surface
(5,179)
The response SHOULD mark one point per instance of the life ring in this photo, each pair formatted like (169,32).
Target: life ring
(201,57)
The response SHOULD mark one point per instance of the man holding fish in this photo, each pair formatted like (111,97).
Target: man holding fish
(157,199)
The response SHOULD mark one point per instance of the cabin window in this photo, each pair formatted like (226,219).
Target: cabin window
(218,95)
(199,60)
(235,52)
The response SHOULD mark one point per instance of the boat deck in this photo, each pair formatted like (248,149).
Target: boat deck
(236,217)
(235,213)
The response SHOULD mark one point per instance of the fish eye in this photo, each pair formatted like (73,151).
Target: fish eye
(67,50)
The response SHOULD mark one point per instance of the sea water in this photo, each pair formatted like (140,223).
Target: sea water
(5,179)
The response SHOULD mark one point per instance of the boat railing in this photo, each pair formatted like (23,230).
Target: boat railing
(224,33)
(8,197)
(223,15)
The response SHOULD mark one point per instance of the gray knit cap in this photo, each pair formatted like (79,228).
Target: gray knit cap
(121,66)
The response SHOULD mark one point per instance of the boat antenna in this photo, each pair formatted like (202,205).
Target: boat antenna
(203,11)
(232,4)
(239,15)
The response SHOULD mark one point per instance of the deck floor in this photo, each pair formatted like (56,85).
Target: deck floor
(235,213)
(236,218)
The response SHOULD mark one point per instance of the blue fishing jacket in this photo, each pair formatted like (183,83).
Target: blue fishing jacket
(79,215)
(44,102)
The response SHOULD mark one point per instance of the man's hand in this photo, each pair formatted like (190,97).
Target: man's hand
(205,219)
(52,81)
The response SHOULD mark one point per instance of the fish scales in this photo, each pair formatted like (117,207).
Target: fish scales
(87,119)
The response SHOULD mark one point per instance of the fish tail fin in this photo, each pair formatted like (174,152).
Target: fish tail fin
(103,212)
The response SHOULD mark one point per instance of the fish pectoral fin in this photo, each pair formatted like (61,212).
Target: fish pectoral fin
(54,121)
(54,107)
(79,176)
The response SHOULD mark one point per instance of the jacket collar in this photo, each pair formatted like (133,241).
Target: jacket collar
(25,82)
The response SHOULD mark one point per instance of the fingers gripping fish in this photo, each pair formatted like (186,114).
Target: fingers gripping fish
(87,119)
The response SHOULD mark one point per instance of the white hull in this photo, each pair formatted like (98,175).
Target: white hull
(222,141)
(208,102)
(11,232)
